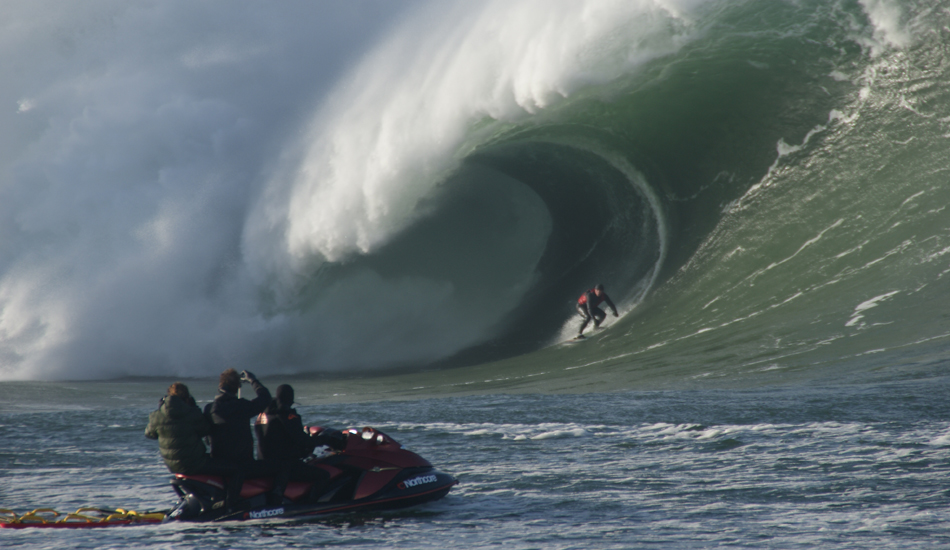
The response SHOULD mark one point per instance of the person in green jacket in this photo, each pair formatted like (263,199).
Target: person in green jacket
(179,426)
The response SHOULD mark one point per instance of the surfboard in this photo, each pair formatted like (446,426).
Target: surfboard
(592,334)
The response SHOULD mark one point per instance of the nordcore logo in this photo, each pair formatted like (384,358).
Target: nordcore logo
(266,513)
(421,480)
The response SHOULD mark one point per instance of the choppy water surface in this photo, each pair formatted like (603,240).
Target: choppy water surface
(785,468)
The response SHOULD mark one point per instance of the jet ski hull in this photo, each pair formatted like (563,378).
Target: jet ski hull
(372,473)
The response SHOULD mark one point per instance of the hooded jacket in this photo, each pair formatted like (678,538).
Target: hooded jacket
(179,426)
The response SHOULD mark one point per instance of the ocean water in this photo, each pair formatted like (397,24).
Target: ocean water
(394,208)
(848,466)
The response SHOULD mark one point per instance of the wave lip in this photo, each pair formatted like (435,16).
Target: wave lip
(396,127)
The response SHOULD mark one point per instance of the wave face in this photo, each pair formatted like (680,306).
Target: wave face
(757,184)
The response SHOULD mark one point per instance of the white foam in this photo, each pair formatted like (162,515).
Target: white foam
(858,316)
(556,434)
(889,29)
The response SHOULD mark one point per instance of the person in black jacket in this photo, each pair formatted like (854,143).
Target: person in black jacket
(231,438)
(281,437)
(179,427)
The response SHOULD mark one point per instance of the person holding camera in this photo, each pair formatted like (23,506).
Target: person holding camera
(231,438)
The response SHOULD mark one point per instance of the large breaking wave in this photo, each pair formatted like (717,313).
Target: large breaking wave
(271,190)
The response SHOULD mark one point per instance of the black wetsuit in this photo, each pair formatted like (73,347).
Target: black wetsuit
(587,308)
(281,437)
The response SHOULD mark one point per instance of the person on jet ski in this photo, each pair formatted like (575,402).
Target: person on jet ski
(231,438)
(179,427)
(587,307)
(281,437)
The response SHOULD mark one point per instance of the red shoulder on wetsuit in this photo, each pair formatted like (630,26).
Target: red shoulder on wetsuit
(596,299)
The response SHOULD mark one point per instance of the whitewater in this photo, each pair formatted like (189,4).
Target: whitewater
(395,206)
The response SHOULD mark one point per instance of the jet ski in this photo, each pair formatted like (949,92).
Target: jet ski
(371,472)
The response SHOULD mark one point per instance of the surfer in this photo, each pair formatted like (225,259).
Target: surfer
(587,307)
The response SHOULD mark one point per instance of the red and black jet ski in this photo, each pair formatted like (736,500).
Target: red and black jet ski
(372,472)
